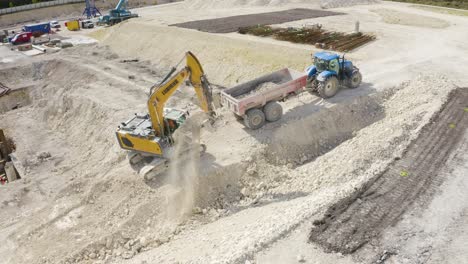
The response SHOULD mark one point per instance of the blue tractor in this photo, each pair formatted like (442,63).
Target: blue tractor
(329,72)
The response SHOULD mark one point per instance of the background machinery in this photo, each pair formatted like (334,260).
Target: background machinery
(149,137)
(118,14)
(91,10)
(329,72)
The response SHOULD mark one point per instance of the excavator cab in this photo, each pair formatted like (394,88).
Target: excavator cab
(174,118)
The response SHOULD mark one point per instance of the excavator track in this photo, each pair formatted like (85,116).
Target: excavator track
(150,167)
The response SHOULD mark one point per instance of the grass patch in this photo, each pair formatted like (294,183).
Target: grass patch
(459,4)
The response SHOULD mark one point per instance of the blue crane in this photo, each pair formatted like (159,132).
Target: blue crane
(91,9)
(118,14)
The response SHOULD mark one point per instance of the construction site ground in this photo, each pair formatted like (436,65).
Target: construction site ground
(373,175)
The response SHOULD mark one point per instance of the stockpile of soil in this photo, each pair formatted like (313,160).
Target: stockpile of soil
(344,3)
(261,88)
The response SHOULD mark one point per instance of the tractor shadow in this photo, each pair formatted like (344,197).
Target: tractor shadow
(306,105)
(313,126)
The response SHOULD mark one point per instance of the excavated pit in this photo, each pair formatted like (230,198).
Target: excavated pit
(15,99)
(94,178)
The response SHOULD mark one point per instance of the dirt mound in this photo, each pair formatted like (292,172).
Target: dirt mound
(411,178)
(323,131)
(402,18)
(243,3)
(248,60)
(75,108)
(344,3)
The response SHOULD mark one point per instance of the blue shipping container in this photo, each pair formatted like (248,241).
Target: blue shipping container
(36,28)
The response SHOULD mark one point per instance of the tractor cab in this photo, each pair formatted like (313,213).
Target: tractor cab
(326,61)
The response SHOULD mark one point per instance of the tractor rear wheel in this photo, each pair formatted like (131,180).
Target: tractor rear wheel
(328,88)
(273,111)
(254,119)
(355,79)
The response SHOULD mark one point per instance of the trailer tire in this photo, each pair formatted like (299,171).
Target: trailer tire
(254,119)
(273,111)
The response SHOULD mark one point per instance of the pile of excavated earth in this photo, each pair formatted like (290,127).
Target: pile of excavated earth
(79,201)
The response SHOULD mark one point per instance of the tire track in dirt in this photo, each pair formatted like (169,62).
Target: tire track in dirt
(356,220)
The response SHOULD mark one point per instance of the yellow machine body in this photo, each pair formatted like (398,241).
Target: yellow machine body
(73,25)
(151,133)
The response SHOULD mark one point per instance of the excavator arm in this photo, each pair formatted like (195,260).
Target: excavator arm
(193,71)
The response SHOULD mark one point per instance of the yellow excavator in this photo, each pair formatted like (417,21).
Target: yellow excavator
(149,137)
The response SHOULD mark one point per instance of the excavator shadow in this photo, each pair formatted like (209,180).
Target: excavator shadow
(205,165)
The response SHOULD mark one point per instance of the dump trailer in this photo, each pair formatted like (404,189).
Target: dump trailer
(257,103)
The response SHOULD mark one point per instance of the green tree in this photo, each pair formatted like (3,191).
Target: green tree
(11,4)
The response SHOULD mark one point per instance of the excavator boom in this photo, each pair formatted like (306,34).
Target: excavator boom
(150,133)
(194,72)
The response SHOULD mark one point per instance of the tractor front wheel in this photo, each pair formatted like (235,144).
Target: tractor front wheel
(328,88)
(355,80)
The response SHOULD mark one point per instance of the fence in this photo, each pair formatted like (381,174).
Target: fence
(37,5)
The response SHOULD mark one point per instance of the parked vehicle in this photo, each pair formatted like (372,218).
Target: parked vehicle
(256,106)
(20,38)
(54,24)
(87,24)
(37,29)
